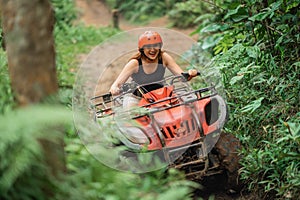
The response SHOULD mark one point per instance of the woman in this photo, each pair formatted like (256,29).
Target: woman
(149,64)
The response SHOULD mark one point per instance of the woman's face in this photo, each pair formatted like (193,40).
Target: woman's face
(152,50)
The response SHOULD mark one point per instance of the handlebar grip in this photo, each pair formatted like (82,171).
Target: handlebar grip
(186,75)
(127,87)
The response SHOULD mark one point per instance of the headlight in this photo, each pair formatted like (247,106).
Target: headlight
(135,135)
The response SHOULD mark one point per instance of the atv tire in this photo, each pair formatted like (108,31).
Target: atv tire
(227,149)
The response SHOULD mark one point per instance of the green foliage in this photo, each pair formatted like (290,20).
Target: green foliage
(65,12)
(272,26)
(183,14)
(142,11)
(6,96)
(258,57)
(90,179)
(276,164)
(147,10)
(24,173)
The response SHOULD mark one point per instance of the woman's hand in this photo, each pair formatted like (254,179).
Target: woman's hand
(114,90)
(192,73)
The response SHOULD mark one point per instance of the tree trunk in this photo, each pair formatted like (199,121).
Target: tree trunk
(28,28)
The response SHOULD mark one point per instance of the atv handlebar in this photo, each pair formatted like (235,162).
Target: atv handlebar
(187,76)
(132,86)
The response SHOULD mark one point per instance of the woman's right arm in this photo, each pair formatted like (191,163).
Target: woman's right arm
(130,68)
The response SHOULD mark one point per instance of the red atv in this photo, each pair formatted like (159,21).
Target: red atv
(181,125)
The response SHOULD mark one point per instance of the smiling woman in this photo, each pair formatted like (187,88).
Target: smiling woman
(148,64)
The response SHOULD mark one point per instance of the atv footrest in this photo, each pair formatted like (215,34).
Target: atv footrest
(201,160)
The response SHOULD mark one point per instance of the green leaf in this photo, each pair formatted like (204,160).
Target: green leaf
(211,28)
(203,17)
(275,6)
(232,12)
(295,128)
(237,14)
(20,132)
(253,52)
(254,105)
(297,64)
(236,79)
(209,41)
(292,5)
(259,17)
(238,18)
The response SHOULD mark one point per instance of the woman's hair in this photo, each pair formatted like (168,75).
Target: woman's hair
(139,55)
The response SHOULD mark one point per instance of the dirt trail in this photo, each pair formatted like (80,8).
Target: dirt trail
(96,13)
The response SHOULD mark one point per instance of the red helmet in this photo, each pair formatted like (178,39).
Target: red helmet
(149,37)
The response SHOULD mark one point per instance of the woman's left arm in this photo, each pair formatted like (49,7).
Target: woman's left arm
(170,63)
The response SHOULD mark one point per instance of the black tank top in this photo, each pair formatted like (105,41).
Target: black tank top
(142,78)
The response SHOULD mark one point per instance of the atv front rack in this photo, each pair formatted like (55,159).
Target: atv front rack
(104,104)
(186,98)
